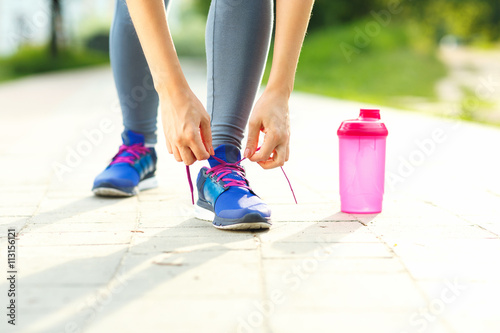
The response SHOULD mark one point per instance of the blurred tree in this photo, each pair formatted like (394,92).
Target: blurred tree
(55,27)
(325,12)
(202,6)
(467,19)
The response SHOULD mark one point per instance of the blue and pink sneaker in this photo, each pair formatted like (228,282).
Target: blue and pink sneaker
(131,170)
(225,196)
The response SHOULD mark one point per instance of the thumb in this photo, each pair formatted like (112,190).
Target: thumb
(253,140)
(206,135)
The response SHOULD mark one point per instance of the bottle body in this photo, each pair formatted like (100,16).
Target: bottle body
(362,149)
(362,173)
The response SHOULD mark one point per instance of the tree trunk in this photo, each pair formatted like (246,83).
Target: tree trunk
(55,28)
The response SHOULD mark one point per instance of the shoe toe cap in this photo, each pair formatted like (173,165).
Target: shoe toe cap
(242,206)
(118,176)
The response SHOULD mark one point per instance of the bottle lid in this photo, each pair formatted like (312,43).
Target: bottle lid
(367,124)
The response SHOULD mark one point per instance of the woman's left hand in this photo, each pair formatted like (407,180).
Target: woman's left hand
(270,115)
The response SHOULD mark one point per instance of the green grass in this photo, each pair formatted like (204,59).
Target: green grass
(476,109)
(31,60)
(398,62)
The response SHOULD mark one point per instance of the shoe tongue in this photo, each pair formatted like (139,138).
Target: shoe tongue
(228,153)
(131,138)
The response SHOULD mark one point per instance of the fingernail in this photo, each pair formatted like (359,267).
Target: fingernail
(212,151)
(247,153)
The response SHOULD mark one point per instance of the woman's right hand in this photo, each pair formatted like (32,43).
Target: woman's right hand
(185,121)
(186,124)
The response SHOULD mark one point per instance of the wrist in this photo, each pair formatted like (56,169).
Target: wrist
(169,82)
(173,91)
(278,90)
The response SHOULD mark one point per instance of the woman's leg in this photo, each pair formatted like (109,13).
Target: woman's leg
(133,168)
(238,36)
(237,42)
(138,98)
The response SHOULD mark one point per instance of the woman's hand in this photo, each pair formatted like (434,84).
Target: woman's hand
(185,121)
(187,127)
(270,115)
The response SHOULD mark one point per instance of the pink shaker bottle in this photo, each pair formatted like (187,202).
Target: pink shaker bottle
(362,163)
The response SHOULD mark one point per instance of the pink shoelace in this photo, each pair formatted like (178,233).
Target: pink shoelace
(224,169)
(135,151)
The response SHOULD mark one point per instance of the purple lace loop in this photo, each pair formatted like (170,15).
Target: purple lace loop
(135,151)
(224,169)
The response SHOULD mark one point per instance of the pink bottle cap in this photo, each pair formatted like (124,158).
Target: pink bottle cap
(367,124)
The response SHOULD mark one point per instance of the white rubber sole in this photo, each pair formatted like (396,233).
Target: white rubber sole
(111,192)
(206,215)
(203,214)
(146,184)
(245,226)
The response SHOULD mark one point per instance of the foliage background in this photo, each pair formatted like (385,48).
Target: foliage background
(401,64)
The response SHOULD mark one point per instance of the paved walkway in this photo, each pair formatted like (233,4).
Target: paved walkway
(471,88)
(427,263)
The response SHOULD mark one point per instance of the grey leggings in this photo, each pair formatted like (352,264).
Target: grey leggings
(237,41)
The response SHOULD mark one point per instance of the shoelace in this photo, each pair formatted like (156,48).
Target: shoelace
(224,169)
(135,151)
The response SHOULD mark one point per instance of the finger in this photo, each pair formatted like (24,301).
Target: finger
(206,136)
(267,148)
(253,139)
(177,155)
(197,148)
(267,164)
(287,151)
(279,155)
(169,147)
(187,155)
(277,159)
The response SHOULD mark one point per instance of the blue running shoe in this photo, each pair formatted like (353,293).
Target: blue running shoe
(224,194)
(131,170)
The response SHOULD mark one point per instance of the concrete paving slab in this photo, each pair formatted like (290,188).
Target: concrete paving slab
(88,264)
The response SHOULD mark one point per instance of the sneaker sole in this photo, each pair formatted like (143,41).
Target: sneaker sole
(146,184)
(248,222)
